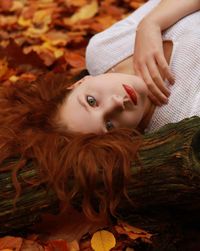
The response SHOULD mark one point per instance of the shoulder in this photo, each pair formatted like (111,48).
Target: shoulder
(114,44)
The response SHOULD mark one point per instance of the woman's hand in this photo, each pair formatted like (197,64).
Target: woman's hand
(150,63)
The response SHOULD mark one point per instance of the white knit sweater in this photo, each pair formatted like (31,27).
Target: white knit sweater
(115,44)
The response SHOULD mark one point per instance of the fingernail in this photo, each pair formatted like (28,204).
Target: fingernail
(166,101)
(172,80)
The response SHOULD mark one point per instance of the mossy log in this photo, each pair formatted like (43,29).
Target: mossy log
(166,176)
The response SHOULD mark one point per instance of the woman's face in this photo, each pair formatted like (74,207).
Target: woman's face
(100,103)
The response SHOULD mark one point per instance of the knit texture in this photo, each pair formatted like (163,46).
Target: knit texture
(184,100)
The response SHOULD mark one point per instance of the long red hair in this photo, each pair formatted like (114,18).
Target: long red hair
(95,168)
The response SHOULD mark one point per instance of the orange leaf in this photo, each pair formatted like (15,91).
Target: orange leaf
(3,67)
(57,245)
(75,59)
(13,243)
(6,4)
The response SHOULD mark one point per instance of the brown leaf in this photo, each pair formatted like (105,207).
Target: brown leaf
(75,59)
(6,5)
(9,242)
(131,231)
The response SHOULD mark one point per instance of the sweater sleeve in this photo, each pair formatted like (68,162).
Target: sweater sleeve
(116,43)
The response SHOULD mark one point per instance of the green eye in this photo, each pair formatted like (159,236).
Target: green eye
(91,101)
(109,125)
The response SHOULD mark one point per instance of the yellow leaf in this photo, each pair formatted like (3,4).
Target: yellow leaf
(13,79)
(42,17)
(57,52)
(24,22)
(36,32)
(85,12)
(103,241)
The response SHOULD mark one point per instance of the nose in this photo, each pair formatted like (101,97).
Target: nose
(116,103)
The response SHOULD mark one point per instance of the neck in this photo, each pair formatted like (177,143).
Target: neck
(148,113)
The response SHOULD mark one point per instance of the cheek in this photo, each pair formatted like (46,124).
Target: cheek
(131,119)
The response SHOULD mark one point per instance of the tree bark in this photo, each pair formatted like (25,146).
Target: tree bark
(165,180)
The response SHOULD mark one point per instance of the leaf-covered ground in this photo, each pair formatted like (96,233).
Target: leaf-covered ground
(43,35)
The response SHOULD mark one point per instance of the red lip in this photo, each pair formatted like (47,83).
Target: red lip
(131,93)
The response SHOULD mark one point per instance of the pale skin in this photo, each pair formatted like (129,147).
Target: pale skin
(102,104)
(98,104)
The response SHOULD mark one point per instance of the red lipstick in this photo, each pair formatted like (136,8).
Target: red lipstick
(131,93)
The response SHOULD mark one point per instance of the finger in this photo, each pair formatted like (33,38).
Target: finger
(165,68)
(154,100)
(152,86)
(156,77)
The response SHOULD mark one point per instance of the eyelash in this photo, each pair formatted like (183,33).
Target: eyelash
(110,127)
(108,123)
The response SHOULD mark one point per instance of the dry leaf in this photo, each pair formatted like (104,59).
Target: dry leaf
(75,59)
(9,242)
(6,4)
(3,67)
(73,246)
(87,11)
(55,38)
(103,241)
(131,231)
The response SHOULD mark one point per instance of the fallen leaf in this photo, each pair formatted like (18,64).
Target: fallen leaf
(6,249)
(75,59)
(131,231)
(3,67)
(103,240)
(6,4)
(56,245)
(73,246)
(85,12)
(77,3)
(9,242)
(24,22)
(55,38)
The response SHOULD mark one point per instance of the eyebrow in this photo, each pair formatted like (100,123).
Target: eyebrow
(82,104)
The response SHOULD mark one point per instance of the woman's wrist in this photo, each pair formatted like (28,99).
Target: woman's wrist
(149,24)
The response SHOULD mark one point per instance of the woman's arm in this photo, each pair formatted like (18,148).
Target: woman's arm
(149,60)
(168,12)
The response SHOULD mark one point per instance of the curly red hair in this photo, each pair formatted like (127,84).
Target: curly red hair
(94,167)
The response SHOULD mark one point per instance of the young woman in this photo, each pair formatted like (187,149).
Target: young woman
(46,121)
